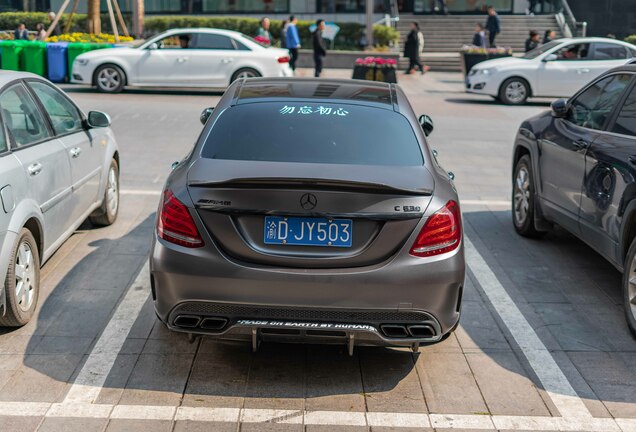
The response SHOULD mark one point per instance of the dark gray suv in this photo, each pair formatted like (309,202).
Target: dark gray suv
(310,210)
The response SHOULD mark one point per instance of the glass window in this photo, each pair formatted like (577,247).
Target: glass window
(591,108)
(579,51)
(64,116)
(246,6)
(329,133)
(626,120)
(24,120)
(609,51)
(3,139)
(540,50)
(180,41)
(213,42)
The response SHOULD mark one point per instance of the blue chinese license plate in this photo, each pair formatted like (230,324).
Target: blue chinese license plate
(307,231)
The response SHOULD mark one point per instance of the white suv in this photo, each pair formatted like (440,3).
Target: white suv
(556,69)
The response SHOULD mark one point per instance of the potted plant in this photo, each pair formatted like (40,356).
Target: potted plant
(472,55)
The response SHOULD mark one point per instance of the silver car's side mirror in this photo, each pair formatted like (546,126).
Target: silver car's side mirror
(205,115)
(550,58)
(427,124)
(98,119)
(153,46)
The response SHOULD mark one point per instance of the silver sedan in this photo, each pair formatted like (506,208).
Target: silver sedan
(58,167)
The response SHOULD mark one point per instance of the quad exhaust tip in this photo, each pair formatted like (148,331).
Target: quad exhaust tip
(187,321)
(206,323)
(420,331)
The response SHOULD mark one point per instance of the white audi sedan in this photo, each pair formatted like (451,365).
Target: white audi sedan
(188,58)
(556,69)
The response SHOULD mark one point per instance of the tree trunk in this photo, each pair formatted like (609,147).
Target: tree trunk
(94,20)
(138,18)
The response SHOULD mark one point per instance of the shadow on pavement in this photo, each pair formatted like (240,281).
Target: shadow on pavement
(492,101)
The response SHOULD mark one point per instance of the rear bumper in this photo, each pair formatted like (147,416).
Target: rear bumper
(202,284)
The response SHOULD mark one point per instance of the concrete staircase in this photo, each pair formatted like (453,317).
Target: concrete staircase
(445,35)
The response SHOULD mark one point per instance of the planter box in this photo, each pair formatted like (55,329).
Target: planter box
(375,73)
(340,59)
(471,59)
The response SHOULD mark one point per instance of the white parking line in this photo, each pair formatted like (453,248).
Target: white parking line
(92,377)
(555,383)
(147,192)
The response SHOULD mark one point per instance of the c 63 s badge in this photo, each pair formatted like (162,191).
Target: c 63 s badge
(407,209)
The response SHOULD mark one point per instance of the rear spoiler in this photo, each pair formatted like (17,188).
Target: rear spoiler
(311,183)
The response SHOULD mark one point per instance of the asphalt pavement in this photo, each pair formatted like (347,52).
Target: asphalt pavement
(542,343)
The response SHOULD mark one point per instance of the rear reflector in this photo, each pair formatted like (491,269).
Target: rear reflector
(283,59)
(441,233)
(175,224)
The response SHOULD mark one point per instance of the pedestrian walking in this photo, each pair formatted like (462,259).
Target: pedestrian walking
(319,47)
(479,38)
(293,41)
(21,33)
(56,30)
(549,36)
(533,41)
(40,32)
(439,6)
(283,34)
(493,25)
(412,48)
(263,34)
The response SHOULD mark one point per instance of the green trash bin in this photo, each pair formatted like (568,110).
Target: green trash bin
(35,57)
(13,55)
(77,48)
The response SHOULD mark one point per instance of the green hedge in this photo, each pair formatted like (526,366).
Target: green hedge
(631,39)
(348,37)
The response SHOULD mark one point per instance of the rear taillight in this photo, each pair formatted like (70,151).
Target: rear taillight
(284,59)
(441,233)
(175,224)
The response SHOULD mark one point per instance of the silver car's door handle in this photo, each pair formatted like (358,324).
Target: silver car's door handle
(228,60)
(583,70)
(75,152)
(182,59)
(35,169)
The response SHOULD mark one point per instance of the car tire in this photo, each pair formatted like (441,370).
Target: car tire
(106,214)
(110,78)
(23,275)
(514,91)
(523,198)
(245,73)
(629,289)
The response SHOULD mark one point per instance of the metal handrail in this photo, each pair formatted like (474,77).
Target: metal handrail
(577,28)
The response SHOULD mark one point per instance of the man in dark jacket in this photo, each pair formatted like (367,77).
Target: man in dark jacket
(533,41)
(21,33)
(319,46)
(479,38)
(492,25)
(412,48)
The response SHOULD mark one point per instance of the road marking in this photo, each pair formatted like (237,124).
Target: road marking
(321,418)
(91,379)
(554,381)
(147,192)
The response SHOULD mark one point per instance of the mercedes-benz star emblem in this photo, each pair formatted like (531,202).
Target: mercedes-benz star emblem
(308,201)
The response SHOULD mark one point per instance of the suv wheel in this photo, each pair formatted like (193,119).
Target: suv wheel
(22,284)
(629,287)
(514,91)
(523,203)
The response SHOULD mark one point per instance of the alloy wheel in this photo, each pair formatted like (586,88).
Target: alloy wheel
(109,78)
(24,277)
(112,194)
(246,74)
(522,195)
(516,92)
(631,288)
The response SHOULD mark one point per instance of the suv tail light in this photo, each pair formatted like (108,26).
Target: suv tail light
(441,233)
(175,224)
(284,59)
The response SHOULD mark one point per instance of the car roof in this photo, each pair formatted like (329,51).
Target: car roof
(203,30)
(8,76)
(593,39)
(381,95)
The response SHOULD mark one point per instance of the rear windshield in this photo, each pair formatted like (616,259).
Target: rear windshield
(313,133)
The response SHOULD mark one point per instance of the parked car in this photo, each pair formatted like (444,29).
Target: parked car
(576,167)
(327,219)
(57,167)
(188,58)
(556,69)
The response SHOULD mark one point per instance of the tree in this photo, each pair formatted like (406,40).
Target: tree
(94,19)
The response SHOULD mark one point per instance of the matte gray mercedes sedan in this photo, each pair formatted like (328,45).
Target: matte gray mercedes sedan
(310,210)
(57,168)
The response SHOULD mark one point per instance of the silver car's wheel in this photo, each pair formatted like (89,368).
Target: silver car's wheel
(514,91)
(106,214)
(21,285)
(629,287)
(245,73)
(110,79)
